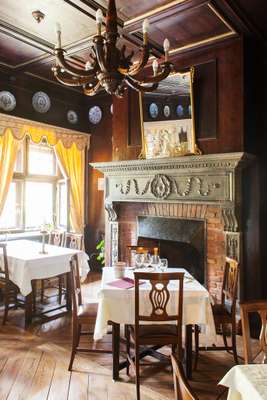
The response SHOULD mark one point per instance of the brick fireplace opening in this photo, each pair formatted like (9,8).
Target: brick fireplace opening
(181,241)
(209,240)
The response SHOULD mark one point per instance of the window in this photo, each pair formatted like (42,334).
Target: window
(38,193)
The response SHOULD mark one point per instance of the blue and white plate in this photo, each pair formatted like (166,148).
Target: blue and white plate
(7,101)
(153,110)
(95,114)
(41,102)
(180,110)
(72,117)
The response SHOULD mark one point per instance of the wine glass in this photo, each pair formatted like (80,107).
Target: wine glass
(139,260)
(155,261)
(163,264)
(147,260)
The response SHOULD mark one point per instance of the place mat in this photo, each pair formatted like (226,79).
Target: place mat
(123,283)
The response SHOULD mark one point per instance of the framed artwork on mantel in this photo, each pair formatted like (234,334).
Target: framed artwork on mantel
(172,133)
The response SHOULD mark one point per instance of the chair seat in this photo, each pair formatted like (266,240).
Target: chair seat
(87,311)
(156,331)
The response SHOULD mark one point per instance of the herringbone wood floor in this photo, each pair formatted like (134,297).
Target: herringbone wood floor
(33,365)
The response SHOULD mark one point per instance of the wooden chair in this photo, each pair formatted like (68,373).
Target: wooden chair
(73,240)
(225,312)
(166,333)
(82,314)
(55,238)
(181,386)
(259,307)
(10,290)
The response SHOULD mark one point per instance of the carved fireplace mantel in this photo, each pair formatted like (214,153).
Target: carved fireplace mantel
(214,179)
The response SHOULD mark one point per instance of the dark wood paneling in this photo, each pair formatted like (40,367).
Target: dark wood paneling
(205,89)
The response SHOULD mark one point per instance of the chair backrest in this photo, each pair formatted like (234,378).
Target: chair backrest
(181,386)
(159,296)
(73,240)
(4,273)
(75,284)
(230,283)
(56,237)
(260,307)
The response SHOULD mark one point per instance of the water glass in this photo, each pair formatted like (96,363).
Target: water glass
(139,260)
(155,261)
(147,260)
(163,264)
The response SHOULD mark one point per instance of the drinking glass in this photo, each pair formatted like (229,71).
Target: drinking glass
(139,260)
(155,261)
(147,260)
(163,264)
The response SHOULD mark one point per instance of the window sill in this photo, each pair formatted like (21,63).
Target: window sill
(21,235)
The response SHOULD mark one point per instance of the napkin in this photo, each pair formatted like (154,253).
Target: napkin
(123,283)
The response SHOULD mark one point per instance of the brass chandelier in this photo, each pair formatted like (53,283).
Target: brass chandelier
(109,67)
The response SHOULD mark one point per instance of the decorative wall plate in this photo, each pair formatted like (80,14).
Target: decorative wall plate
(72,117)
(7,101)
(180,110)
(166,111)
(153,110)
(41,102)
(95,115)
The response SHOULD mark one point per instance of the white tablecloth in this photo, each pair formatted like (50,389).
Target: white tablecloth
(26,263)
(246,382)
(117,305)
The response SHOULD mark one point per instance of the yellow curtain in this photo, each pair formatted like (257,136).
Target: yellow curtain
(8,153)
(72,161)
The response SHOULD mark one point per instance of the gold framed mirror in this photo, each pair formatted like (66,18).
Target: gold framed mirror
(167,118)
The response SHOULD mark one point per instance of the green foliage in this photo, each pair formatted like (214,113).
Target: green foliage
(101,248)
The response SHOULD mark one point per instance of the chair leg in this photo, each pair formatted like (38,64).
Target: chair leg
(224,336)
(42,291)
(60,287)
(234,344)
(127,337)
(137,372)
(197,332)
(75,340)
(6,311)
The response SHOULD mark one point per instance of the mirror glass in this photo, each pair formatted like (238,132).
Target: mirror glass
(167,118)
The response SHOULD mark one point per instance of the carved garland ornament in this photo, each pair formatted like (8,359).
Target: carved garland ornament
(161,186)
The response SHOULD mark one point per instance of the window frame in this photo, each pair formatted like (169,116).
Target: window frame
(22,177)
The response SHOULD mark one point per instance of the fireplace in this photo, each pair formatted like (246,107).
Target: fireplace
(181,241)
(191,205)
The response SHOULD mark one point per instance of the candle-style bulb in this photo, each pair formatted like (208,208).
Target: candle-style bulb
(145,26)
(87,65)
(58,33)
(155,66)
(166,45)
(99,16)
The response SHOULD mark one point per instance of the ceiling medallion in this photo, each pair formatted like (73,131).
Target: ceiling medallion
(108,66)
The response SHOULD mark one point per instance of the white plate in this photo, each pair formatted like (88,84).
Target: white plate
(7,101)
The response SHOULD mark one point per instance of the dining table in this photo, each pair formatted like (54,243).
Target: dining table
(116,305)
(27,264)
(246,382)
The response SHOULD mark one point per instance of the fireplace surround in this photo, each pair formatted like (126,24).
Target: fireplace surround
(205,188)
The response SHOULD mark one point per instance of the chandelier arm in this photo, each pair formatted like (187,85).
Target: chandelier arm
(70,81)
(167,68)
(99,50)
(59,53)
(135,69)
(92,91)
(134,84)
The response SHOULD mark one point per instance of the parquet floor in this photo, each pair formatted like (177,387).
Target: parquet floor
(33,365)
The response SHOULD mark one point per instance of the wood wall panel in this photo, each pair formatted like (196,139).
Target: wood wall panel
(226,111)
